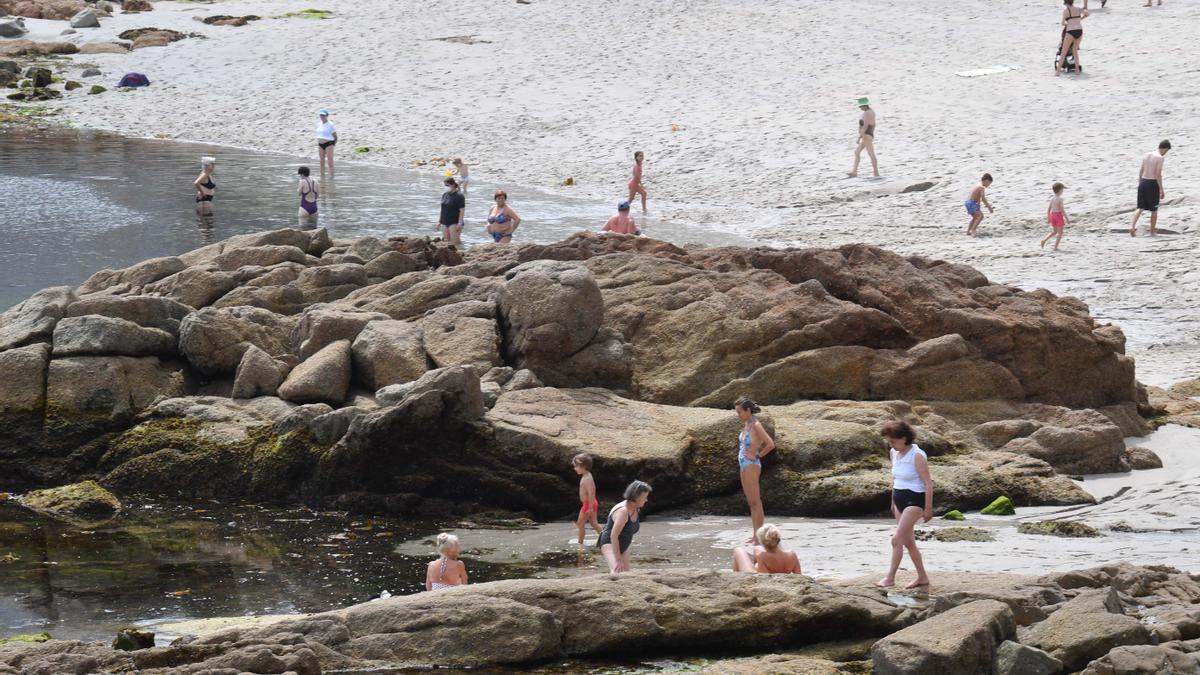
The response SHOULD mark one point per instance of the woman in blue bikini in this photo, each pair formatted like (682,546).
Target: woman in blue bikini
(754,443)
(502,220)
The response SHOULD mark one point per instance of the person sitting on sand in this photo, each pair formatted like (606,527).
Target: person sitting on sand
(912,499)
(462,173)
(624,520)
(866,137)
(977,196)
(326,138)
(454,209)
(622,223)
(1150,187)
(767,557)
(1056,215)
(447,570)
(308,195)
(635,183)
(205,187)
(502,220)
(1072,21)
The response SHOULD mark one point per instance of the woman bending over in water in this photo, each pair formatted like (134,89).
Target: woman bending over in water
(624,520)
(447,570)
(205,187)
(768,557)
(912,499)
(308,195)
(502,220)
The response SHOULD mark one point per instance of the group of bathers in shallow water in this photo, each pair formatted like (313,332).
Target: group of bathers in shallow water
(911,502)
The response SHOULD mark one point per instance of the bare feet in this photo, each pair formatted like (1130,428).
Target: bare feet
(918,583)
(885,583)
(852,174)
(1133,231)
(1043,243)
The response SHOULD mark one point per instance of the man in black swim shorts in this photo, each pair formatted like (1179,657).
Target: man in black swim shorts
(1150,187)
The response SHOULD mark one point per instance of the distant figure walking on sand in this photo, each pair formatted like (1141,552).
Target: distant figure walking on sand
(912,499)
(206,189)
(462,173)
(635,183)
(1150,187)
(1147,3)
(1072,21)
(502,220)
(326,139)
(589,506)
(1056,215)
(624,520)
(308,195)
(454,209)
(622,223)
(447,570)
(866,137)
(753,444)
(768,557)
(978,196)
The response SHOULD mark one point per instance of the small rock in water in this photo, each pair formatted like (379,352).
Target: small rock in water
(954,514)
(69,31)
(91,72)
(1002,506)
(97,89)
(12,28)
(85,19)
(71,85)
(131,639)
(79,499)
(1059,528)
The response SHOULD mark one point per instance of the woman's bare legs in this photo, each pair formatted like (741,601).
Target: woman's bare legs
(742,562)
(1068,42)
(904,539)
(749,477)
(1075,53)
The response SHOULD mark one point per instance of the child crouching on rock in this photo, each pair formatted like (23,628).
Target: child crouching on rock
(447,570)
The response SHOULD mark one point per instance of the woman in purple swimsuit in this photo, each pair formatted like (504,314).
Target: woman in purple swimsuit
(502,220)
(308,195)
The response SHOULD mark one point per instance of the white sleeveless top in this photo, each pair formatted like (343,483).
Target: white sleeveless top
(904,470)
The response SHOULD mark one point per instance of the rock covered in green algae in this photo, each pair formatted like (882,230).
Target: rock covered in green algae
(1002,506)
(1059,528)
(954,514)
(97,89)
(132,639)
(78,499)
(949,534)
(34,637)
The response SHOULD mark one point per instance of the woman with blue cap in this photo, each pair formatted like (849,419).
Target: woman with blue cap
(326,139)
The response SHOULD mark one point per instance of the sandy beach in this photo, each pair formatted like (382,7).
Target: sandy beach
(746,115)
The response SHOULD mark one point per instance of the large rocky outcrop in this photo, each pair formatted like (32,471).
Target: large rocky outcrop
(761,623)
(646,344)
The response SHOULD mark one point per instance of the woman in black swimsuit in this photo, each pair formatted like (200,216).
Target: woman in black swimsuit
(205,187)
(1072,20)
(623,522)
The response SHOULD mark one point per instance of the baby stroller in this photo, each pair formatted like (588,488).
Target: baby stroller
(1069,62)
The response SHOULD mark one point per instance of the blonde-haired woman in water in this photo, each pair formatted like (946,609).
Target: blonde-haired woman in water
(912,499)
(447,570)
(754,443)
(205,187)
(768,557)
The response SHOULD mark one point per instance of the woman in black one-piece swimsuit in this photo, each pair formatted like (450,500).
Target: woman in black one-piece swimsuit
(624,520)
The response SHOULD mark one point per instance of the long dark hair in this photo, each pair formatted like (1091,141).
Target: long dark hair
(745,403)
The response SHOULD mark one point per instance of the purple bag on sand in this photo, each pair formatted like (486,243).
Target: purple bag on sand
(134,80)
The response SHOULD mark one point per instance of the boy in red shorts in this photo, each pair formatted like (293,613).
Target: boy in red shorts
(590,508)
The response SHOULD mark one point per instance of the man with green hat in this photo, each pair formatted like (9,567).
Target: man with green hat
(866,136)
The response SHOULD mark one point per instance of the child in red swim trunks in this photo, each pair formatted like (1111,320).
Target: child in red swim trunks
(1056,215)
(587,495)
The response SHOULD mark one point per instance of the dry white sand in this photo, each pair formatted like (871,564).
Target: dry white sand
(745,113)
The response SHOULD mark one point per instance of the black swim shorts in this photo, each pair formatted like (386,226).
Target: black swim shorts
(1148,195)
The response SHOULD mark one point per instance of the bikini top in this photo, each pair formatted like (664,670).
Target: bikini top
(210,185)
(498,219)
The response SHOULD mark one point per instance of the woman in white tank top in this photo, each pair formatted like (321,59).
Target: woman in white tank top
(912,499)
